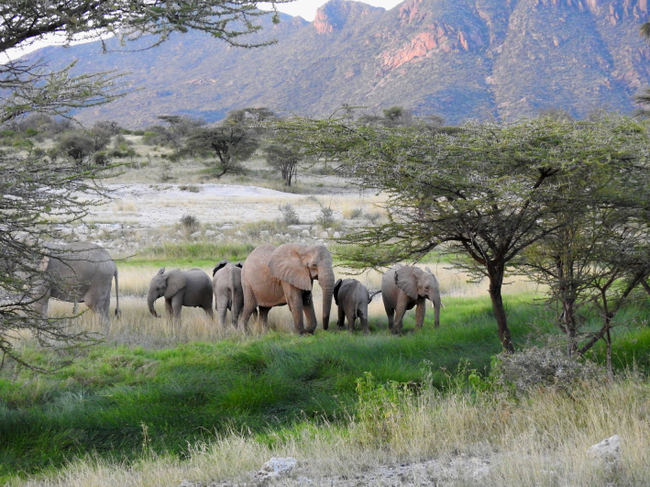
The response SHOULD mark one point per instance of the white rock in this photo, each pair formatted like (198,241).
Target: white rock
(609,449)
(276,467)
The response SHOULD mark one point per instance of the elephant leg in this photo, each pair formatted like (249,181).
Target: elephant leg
(363,317)
(390,311)
(351,317)
(237,305)
(294,298)
(41,304)
(177,306)
(168,308)
(246,313)
(98,303)
(341,320)
(308,308)
(400,309)
(263,317)
(249,305)
(221,312)
(419,312)
(208,311)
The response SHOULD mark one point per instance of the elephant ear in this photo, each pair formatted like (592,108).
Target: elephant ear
(337,285)
(406,280)
(219,266)
(176,281)
(435,279)
(286,264)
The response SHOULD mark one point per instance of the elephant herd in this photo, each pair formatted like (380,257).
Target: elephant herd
(270,276)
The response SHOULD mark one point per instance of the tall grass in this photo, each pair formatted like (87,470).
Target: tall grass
(541,440)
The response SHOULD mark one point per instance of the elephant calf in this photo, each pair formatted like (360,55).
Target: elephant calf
(402,288)
(352,298)
(228,294)
(181,288)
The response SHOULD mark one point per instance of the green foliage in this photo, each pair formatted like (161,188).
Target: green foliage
(380,408)
(489,191)
(192,254)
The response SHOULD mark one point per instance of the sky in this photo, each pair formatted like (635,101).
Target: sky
(307,8)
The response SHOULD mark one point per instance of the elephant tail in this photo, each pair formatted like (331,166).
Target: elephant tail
(117,296)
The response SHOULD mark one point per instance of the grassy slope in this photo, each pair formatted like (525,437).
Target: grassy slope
(112,400)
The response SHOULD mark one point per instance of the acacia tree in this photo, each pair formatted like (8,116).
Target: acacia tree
(38,195)
(484,191)
(284,159)
(232,140)
(600,251)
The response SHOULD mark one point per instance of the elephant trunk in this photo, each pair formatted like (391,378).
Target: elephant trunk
(151,298)
(326,282)
(437,304)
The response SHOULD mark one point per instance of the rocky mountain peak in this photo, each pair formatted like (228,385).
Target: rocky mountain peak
(335,14)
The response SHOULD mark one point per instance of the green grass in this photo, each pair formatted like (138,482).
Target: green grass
(114,400)
(190,254)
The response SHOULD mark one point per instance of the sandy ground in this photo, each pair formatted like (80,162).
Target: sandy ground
(150,205)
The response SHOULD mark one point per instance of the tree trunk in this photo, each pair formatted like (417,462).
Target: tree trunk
(495,274)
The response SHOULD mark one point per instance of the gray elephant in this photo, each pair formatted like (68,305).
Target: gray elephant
(228,294)
(352,299)
(79,272)
(284,275)
(181,288)
(402,288)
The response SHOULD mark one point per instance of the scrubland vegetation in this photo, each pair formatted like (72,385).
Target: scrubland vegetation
(147,406)
(561,203)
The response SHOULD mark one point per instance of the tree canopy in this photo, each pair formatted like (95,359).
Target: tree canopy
(483,191)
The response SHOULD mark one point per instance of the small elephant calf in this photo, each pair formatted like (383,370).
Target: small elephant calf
(181,288)
(352,298)
(228,293)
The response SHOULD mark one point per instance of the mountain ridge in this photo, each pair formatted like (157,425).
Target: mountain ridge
(463,59)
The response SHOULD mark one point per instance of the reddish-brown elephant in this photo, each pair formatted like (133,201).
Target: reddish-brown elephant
(284,275)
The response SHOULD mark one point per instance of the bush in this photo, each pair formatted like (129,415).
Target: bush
(543,367)
(326,218)
(189,224)
(289,215)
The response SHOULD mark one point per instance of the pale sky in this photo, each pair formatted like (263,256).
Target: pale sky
(307,8)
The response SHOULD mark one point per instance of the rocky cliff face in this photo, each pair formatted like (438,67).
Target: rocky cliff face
(335,14)
(457,58)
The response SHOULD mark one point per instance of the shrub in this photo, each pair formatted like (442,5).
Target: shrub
(289,215)
(543,367)
(326,218)
(189,224)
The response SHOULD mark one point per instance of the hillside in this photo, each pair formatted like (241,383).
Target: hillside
(461,59)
